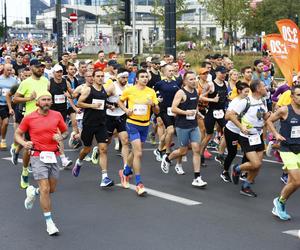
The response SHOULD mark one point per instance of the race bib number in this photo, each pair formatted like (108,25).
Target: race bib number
(4,92)
(169,111)
(48,157)
(218,114)
(98,101)
(191,117)
(79,116)
(59,99)
(254,140)
(295,132)
(140,109)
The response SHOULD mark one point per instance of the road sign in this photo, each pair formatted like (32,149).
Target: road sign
(73,17)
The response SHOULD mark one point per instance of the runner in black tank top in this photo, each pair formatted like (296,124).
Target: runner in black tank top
(93,100)
(289,136)
(185,106)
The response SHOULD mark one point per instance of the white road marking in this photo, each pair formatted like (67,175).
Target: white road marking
(8,159)
(167,196)
(295,233)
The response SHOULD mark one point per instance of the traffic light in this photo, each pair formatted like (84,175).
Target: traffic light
(124,8)
(70,28)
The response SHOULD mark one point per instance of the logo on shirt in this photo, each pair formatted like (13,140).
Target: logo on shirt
(294,121)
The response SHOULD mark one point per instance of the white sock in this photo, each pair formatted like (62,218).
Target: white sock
(104,175)
(48,217)
(63,157)
(79,162)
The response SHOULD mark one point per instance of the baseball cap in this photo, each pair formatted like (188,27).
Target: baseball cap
(163,63)
(203,71)
(149,59)
(48,60)
(266,68)
(112,62)
(57,67)
(155,60)
(43,93)
(35,62)
(221,69)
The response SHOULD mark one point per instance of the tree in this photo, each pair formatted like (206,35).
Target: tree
(228,13)
(40,25)
(266,13)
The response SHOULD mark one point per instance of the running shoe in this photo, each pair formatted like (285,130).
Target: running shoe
(225,176)
(179,170)
(269,149)
(87,158)
(234,174)
(207,154)
(29,168)
(117,144)
(184,158)
(277,156)
(14,155)
(212,145)
(140,189)
(220,159)
(124,179)
(284,178)
(165,164)
(152,138)
(198,182)
(66,163)
(52,229)
(158,154)
(279,210)
(95,155)
(3,145)
(248,192)
(106,182)
(243,176)
(30,197)
(24,182)
(76,169)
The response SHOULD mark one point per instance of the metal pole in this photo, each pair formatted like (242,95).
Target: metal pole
(59,30)
(133,29)
(5,21)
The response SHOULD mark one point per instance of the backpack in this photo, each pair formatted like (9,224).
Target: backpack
(248,105)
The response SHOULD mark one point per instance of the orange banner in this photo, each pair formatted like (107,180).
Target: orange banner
(280,54)
(291,34)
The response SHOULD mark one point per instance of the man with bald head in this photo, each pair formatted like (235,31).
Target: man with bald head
(6,82)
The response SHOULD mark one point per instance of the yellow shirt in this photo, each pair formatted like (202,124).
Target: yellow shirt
(285,99)
(108,82)
(137,101)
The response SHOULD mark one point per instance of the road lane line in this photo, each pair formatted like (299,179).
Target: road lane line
(167,196)
(295,233)
(9,158)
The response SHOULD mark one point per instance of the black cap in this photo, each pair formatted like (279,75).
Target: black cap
(216,56)
(256,62)
(221,69)
(112,62)
(35,62)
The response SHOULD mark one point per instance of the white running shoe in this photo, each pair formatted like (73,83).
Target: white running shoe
(30,197)
(179,169)
(157,155)
(117,144)
(165,165)
(66,163)
(51,228)
(71,140)
(269,149)
(199,182)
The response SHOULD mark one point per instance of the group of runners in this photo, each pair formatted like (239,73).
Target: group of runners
(213,106)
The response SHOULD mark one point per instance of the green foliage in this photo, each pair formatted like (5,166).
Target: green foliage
(266,13)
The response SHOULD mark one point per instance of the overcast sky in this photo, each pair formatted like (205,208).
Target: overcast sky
(16,10)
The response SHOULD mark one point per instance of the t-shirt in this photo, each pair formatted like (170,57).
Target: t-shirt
(254,118)
(42,128)
(5,85)
(28,86)
(100,65)
(285,99)
(136,100)
(230,125)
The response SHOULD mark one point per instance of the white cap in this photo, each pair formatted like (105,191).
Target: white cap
(57,67)
(163,63)
(149,59)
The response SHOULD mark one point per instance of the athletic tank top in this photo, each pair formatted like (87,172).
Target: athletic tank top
(113,100)
(95,117)
(57,90)
(222,91)
(191,103)
(290,130)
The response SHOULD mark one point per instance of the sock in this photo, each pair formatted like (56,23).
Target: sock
(127,170)
(137,179)
(37,191)
(202,159)
(246,184)
(3,140)
(282,200)
(15,145)
(62,157)
(25,171)
(179,164)
(79,162)
(104,175)
(48,217)
(167,158)
(196,174)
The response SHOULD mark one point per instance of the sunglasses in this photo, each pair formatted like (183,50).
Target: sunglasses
(187,65)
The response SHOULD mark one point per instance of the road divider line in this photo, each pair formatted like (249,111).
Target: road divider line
(9,158)
(295,233)
(167,196)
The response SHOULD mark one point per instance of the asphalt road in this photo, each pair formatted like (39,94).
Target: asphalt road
(92,218)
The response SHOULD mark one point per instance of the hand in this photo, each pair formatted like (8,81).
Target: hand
(244,130)
(67,94)
(57,137)
(96,106)
(190,112)
(11,112)
(279,137)
(77,110)
(216,98)
(28,145)
(32,96)
(129,112)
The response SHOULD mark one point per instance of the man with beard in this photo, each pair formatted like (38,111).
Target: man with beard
(26,93)
(43,126)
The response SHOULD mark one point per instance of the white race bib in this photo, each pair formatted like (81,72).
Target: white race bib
(295,132)
(48,157)
(191,117)
(254,140)
(79,116)
(58,99)
(169,111)
(4,92)
(101,102)
(140,109)
(218,114)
